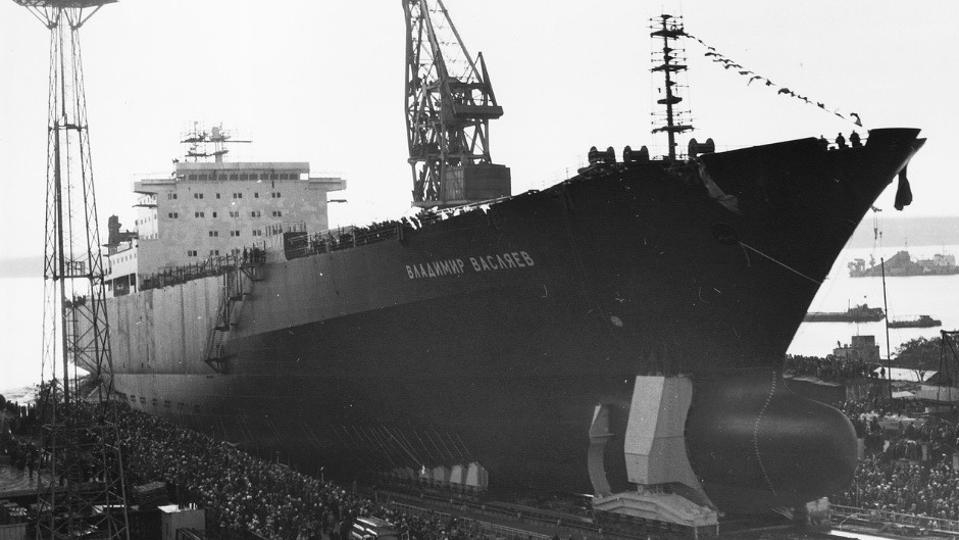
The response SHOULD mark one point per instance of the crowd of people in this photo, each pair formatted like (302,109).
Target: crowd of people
(350,237)
(22,456)
(830,368)
(904,487)
(241,493)
(908,465)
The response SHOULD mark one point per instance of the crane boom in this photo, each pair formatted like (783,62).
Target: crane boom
(449,103)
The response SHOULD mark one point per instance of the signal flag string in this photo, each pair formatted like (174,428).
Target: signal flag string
(751,76)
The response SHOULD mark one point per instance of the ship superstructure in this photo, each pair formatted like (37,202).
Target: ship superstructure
(208,210)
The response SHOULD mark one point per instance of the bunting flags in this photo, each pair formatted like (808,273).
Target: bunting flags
(752,76)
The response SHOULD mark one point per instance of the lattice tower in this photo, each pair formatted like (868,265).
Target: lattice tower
(84,494)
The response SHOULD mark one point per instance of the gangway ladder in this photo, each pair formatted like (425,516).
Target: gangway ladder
(237,286)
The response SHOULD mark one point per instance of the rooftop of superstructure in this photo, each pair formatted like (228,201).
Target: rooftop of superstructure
(299,166)
(243,171)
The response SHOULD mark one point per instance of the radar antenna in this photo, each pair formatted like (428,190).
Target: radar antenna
(80,445)
(670,61)
(449,103)
(205,144)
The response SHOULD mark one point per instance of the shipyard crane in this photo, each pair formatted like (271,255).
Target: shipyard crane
(449,103)
(82,449)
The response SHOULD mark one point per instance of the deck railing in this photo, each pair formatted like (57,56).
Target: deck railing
(214,266)
(304,245)
(347,238)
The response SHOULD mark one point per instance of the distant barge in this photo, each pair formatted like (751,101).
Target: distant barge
(860,313)
(922,321)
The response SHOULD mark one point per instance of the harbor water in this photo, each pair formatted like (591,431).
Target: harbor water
(908,297)
(21,321)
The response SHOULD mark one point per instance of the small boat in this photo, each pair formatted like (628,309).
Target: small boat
(922,321)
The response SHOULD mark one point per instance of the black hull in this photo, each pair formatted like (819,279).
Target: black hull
(375,357)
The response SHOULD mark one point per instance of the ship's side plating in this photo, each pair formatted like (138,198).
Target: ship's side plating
(490,335)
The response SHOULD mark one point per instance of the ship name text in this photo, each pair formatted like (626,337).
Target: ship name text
(480,263)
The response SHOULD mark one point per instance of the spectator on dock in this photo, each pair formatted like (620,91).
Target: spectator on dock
(829,368)
(243,493)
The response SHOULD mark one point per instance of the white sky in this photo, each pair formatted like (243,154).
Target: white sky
(322,81)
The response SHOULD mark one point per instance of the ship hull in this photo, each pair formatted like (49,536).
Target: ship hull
(491,335)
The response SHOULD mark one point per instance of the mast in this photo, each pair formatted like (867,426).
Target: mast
(200,140)
(885,306)
(670,61)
